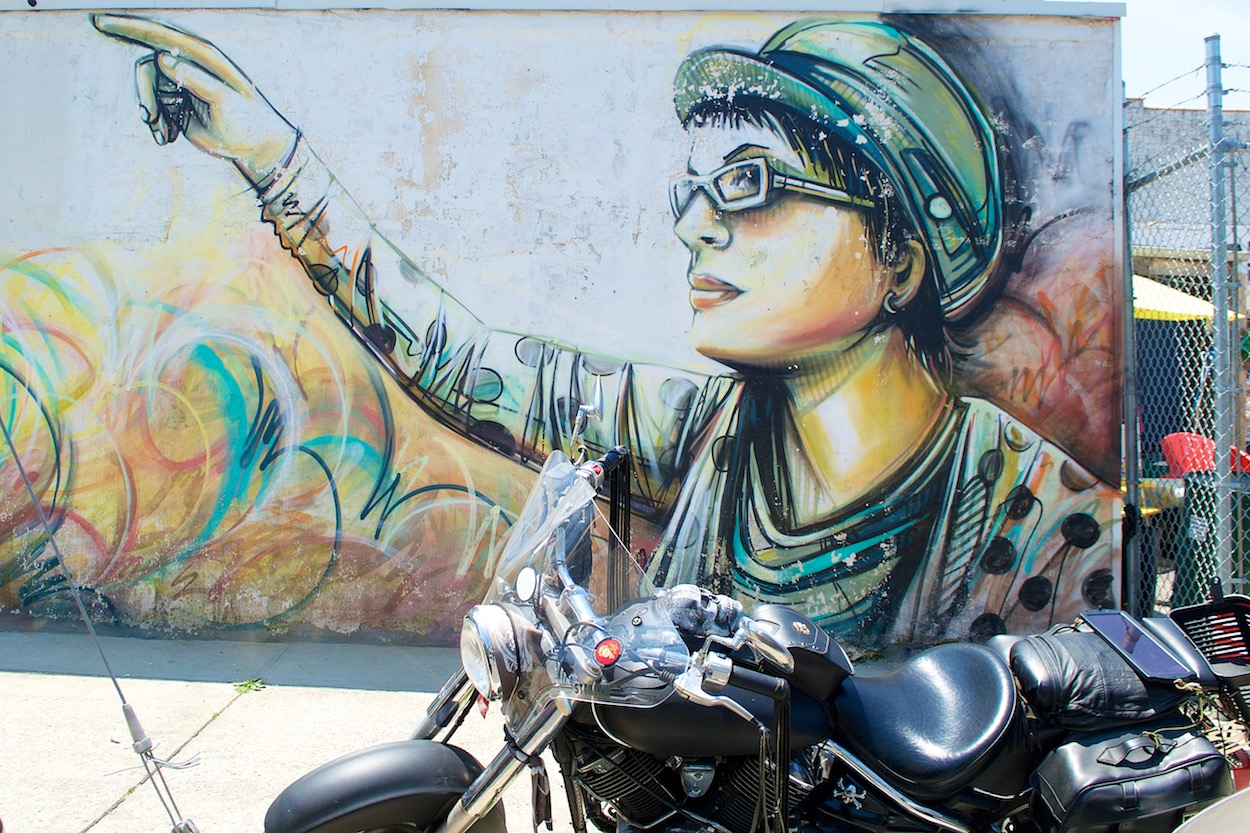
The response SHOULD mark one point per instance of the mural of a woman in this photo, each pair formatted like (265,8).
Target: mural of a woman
(843,211)
(887,193)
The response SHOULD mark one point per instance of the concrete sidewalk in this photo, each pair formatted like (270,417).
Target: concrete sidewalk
(66,762)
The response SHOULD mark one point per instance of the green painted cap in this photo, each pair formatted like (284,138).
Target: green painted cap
(896,101)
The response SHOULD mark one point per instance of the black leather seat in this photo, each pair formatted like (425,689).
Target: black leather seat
(933,724)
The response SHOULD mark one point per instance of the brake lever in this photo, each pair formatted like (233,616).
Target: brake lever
(689,686)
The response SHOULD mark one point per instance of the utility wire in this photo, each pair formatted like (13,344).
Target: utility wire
(1160,111)
(1185,74)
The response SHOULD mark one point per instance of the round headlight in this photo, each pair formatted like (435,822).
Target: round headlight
(488,651)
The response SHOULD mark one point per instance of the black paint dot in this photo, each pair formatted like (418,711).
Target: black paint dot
(325,278)
(1020,503)
(1096,589)
(1076,478)
(990,466)
(985,626)
(999,557)
(600,366)
(529,352)
(495,435)
(436,335)
(1035,593)
(1080,530)
(382,336)
(567,407)
(678,394)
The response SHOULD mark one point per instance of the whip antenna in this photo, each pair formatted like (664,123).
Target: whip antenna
(152,765)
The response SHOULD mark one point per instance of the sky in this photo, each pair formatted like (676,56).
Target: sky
(1164,39)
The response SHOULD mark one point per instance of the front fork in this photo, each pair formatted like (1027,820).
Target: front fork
(523,746)
(534,735)
(455,695)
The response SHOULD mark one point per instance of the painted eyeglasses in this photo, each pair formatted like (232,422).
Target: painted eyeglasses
(751,183)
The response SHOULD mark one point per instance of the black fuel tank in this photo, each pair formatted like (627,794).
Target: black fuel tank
(820,664)
(679,727)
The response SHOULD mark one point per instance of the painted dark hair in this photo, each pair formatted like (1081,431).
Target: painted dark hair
(889,228)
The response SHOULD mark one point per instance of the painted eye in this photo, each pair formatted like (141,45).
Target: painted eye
(739,183)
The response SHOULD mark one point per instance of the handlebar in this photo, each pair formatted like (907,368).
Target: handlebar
(596,471)
(757,682)
(712,673)
(720,672)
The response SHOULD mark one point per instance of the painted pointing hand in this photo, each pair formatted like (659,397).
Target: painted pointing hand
(188,87)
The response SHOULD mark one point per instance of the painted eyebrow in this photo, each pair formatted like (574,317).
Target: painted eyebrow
(740,148)
(728,157)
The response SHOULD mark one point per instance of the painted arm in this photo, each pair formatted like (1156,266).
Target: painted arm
(515,393)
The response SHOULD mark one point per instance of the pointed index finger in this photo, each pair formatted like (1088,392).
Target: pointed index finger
(162,37)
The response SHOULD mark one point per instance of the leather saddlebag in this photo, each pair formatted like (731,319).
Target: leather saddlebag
(1141,777)
(1075,680)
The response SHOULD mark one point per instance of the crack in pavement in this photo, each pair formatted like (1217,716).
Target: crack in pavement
(167,763)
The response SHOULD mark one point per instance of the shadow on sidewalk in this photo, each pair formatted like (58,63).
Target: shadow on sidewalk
(39,646)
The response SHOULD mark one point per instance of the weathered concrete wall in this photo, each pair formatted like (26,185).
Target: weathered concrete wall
(296,399)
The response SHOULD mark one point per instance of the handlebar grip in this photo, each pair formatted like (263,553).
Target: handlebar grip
(758,682)
(615,457)
(596,470)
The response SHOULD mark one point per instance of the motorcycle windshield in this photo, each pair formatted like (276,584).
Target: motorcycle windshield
(614,637)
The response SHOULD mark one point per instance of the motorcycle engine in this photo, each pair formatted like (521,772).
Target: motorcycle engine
(618,784)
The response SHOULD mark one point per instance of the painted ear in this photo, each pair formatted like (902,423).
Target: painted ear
(909,272)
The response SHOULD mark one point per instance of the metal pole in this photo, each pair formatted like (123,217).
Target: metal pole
(1137,599)
(1234,577)
(1225,380)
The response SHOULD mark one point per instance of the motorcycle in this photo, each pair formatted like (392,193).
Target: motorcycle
(1229,813)
(673,709)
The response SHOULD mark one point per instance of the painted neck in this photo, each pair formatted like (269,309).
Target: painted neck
(865,413)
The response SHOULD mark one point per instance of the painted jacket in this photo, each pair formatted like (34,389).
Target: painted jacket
(990,529)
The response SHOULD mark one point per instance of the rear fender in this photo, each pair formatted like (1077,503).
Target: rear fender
(414,781)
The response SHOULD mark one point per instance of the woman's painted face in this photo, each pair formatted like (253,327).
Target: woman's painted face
(770,286)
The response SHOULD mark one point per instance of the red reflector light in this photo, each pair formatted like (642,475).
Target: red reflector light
(608,651)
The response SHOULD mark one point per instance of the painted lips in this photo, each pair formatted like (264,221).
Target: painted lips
(708,293)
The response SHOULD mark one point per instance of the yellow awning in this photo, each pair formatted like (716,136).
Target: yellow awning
(1160,302)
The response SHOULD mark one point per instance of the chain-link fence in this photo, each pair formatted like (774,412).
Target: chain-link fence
(1187,188)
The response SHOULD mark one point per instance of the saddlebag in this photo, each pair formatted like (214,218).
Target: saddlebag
(1138,778)
(1074,680)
